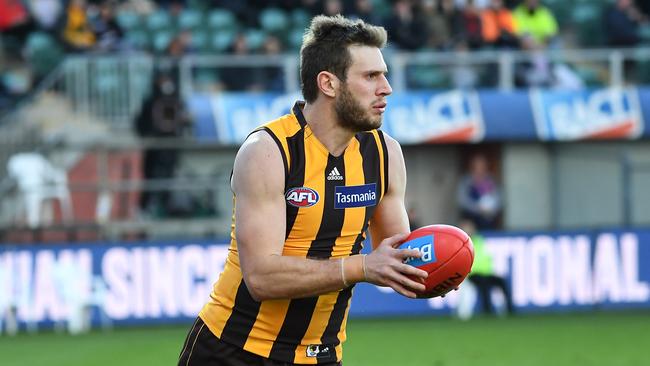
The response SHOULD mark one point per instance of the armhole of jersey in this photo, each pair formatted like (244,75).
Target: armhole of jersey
(279,145)
(385,167)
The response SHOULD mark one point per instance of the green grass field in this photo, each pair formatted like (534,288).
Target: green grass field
(605,339)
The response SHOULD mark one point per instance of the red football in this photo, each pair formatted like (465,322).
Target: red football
(447,255)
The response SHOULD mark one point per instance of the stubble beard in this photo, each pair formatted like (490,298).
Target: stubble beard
(351,115)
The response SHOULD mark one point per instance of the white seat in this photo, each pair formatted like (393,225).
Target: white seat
(38,180)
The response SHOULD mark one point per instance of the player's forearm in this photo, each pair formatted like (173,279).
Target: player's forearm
(285,277)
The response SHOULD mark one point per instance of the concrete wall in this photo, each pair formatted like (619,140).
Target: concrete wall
(432,177)
(526,187)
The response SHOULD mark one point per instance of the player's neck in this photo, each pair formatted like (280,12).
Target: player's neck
(321,118)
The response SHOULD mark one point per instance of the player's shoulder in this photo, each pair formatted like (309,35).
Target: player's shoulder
(392,145)
(259,142)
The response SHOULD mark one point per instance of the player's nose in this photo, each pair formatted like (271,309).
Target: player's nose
(384,87)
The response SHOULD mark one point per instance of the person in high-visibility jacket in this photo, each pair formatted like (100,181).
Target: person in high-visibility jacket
(482,274)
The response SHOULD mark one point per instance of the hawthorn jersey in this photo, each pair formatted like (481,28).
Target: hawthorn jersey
(329,201)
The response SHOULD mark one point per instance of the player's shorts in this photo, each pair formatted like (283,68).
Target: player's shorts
(204,348)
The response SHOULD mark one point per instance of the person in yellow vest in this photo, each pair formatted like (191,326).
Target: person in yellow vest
(306,187)
(482,275)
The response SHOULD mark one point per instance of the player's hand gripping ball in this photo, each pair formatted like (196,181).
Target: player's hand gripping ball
(447,255)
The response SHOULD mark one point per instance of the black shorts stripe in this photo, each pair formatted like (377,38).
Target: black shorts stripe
(243,317)
(296,177)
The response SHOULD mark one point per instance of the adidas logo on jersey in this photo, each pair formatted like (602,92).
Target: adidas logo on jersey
(334,175)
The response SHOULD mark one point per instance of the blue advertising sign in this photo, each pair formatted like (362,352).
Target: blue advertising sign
(452,116)
(612,113)
(169,282)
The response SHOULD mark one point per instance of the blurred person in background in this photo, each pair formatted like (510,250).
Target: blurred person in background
(498,26)
(482,275)
(271,77)
(437,25)
(240,78)
(532,19)
(108,33)
(479,196)
(14,19)
(78,34)
(470,26)
(364,10)
(622,20)
(46,13)
(406,29)
(163,115)
(298,225)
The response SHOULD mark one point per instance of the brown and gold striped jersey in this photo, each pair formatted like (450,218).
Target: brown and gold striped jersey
(329,202)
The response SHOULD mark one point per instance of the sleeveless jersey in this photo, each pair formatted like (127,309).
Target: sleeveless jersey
(329,202)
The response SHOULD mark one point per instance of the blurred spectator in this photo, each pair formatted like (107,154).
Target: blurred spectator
(107,31)
(163,115)
(46,13)
(333,7)
(77,33)
(482,275)
(480,4)
(364,9)
(539,72)
(470,25)
(621,21)
(405,28)
(180,45)
(240,78)
(14,19)
(271,77)
(479,196)
(437,26)
(535,20)
(498,26)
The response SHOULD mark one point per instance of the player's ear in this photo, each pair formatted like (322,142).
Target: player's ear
(328,83)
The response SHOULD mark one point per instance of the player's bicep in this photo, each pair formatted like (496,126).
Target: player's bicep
(258,184)
(390,217)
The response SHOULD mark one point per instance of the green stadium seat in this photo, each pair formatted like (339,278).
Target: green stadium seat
(255,38)
(43,52)
(586,17)
(294,38)
(221,19)
(159,20)
(221,41)
(200,40)
(273,20)
(190,19)
(138,39)
(128,20)
(644,33)
(160,40)
(300,18)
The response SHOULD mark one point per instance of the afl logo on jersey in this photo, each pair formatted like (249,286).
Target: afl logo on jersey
(302,197)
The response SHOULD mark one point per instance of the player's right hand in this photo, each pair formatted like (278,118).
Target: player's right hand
(385,267)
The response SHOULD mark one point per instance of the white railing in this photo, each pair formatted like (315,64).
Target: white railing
(111,88)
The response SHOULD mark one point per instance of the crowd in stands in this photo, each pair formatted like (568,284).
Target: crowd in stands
(40,32)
